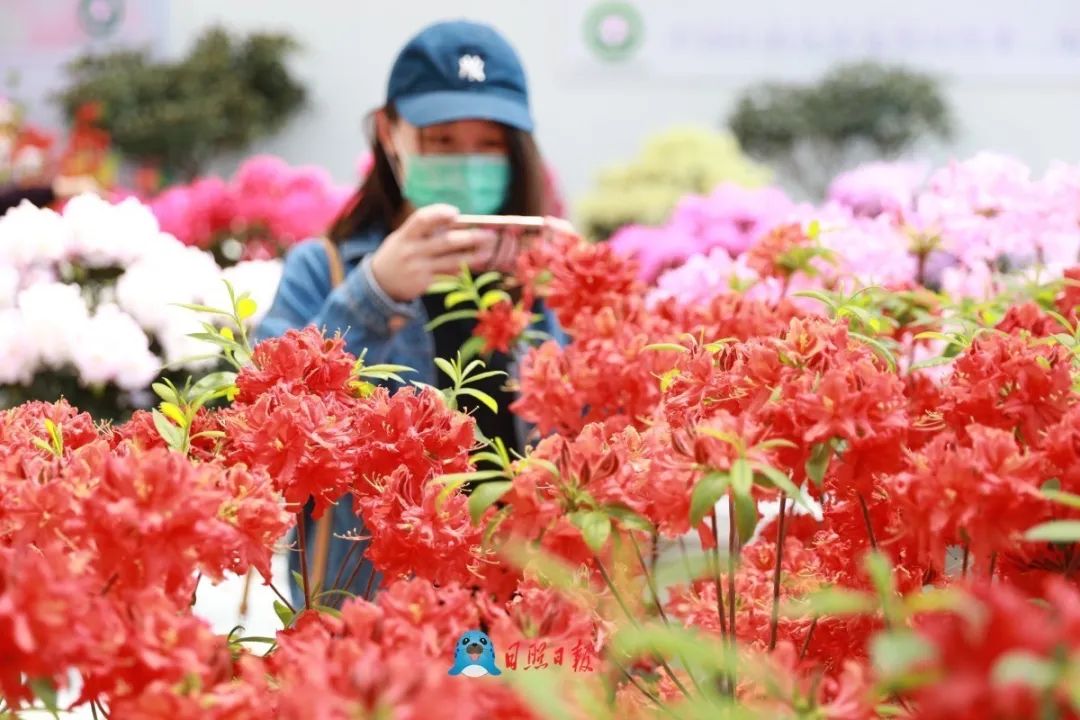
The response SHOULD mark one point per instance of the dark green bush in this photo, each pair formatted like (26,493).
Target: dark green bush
(179,115)
(855,113)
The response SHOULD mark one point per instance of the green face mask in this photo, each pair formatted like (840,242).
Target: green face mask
(474,184)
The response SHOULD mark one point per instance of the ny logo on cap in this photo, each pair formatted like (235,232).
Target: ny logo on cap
(471,68)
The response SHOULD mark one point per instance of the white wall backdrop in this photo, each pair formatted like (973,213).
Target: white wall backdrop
(1018,91)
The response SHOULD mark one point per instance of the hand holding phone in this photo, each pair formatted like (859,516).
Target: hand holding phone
(514,234)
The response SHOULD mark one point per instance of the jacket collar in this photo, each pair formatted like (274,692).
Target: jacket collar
(359,245)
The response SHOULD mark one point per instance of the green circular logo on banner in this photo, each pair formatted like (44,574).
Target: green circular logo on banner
(100,18)
(613,29)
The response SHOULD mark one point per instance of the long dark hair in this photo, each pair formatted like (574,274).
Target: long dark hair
(378,201)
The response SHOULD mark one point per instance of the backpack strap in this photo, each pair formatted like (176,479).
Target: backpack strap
(333,257)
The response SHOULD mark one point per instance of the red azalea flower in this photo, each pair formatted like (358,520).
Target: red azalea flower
(306,443)
(154,518)
(140,431)
(501,325)
(303,360)
(968,647)
(768,254)
(982,494)
(51,617)
(1031,318)
(413,429)
(1069,297)
(1008,382)
(418,535)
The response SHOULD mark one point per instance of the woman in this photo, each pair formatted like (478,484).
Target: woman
(454,137)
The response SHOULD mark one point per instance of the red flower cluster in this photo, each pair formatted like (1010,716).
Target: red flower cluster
(500,325)
(657,410)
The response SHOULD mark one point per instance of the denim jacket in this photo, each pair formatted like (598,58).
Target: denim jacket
(391,332)
(367,317)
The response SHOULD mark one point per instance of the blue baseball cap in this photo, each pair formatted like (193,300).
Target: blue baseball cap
(459,70)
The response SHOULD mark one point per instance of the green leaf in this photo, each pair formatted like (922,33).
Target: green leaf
(667,347)
(448,369)
(493,297)
(45,691)
(165,392)
(742,476)
(169,432)
(472,347)
(695,648)
(1024,668)
(485,495)
(783,482)
(877,346)
(441,286)
(881,575)
(457,297)
(776,443)
(470,379)
(819,296)
(450,317)
(934,599)
(547,465)
(833,601)
(818,462)
(203,309)
(1063,498)
(596,529)
(708,491)
(213,382)
(932,362)
(746,516)
(895,653)
(41,444)
(174,413)
(628,518)
(1055,531)
(215,339)
(487,278)
(545,691)
(487,400)
(730,438)
(453,481)
(489,457)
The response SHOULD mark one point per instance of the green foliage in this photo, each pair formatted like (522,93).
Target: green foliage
(854,113)
(678,162)
(226,93)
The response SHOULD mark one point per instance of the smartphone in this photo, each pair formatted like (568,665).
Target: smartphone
(515,233)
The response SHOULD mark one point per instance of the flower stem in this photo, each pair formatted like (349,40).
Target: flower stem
(716,577)
(733,549)
(650,580)
(370,584)
(644,690)
(634,622)
(806,640)
(301,531)
(774,622)
(282,598)
(866,519)
(352,578)
(343,564)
